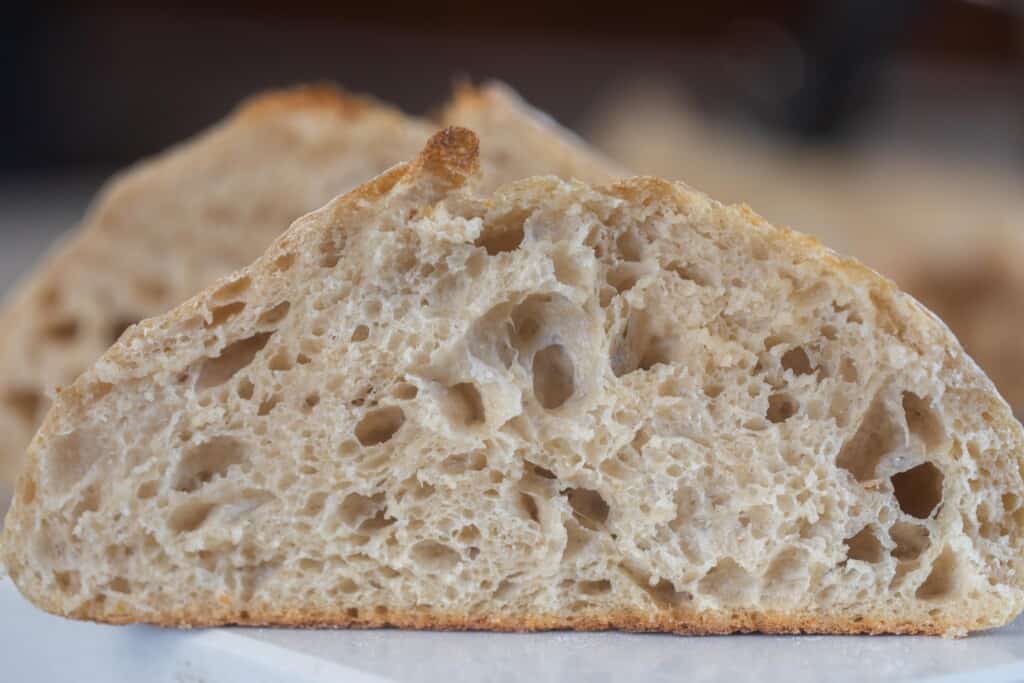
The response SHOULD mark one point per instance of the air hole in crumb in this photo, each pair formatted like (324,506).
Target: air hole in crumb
(463,404)
(284,262)
(911,540)
(372,309)
(848,370)
(222,314)
(503,234)
(207,460)
(1010,502)
(455,464)
(97,390)
(189,516)
(796,360)
(312,400)
(314,504)
(331,249)
(553,376)
(280,361)
(26,490)
(729,582)
(245,389)
(781,407)
(713,390)
(918,490)
(275,314)
(663,592)
(876,436)
(567,270)
(379,425)
(638,347)
(688,272)
(529,507)
(625,276)
(590,508)
(232,358)
(864,546)
(356,509)
(631,246)
(543,472)
(147,489)
(943,579)
(434,556)
(595,587)
(787,574)
(62,331)
(120,585)
(468,534)
(232,290)
(404,391)
(922,421)
(68,581)
(361,333)
(25,403)
(267,405)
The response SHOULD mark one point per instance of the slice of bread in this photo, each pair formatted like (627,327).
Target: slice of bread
(170,226)
(561,406)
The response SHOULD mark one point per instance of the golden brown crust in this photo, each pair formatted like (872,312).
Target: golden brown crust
(451,155)
(678,622)
(312,96)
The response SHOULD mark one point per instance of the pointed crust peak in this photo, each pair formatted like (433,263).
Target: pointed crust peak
(452,155)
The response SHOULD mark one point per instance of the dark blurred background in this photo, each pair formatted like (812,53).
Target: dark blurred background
(90,87)
(98,85)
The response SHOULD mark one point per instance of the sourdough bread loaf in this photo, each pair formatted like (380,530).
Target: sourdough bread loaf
(557,406)
(166,228)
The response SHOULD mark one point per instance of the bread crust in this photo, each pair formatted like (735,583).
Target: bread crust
(324,95)
(678,623)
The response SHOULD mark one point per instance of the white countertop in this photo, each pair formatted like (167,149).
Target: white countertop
(37,647)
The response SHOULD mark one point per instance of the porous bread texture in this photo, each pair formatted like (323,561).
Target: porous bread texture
(168,227)
(561,406)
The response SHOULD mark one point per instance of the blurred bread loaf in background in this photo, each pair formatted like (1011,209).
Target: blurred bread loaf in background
(947,230)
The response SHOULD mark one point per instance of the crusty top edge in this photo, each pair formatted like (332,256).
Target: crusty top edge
(322,95)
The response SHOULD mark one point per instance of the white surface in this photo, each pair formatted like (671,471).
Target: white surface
(37,647)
